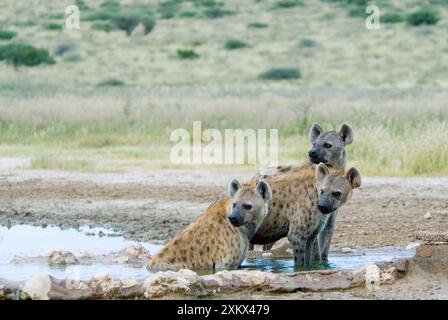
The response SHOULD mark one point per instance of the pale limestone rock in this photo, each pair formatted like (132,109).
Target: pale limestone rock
(62,258)
(160,284)
(38,287)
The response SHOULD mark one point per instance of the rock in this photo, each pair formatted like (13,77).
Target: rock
(427,215)
(62,258)
(183,282)
(122,260)
(38,287)
(137,251)
(84,255)
(281,248)
(347,250)
(267,255)
(412,246)
(2,291)
(373,276)
(433,237)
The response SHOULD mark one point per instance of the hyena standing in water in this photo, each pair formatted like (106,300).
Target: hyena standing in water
(295,193)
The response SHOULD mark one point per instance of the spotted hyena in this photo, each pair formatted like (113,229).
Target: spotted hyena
(334,191)
(219,239)
(295,192)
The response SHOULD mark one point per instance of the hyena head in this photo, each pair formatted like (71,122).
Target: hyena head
(335,190)
(249,204)
(329,147)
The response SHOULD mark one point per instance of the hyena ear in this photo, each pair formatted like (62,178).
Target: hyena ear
(354,177)
(264,190)
(321,172)
(315,132)
(346,133)
(234,186)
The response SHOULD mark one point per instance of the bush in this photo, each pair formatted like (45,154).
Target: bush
(423,16)
(187,54)
(81,5)
(286,4)
(73,56)
(7,35)
(110,5)
(23,54)
(102,26)
(257,25)
(281,74)
(217,12)
(234,44)
(392,17)
(307,43)
(111,83)
(148,23)
(64,47)
(53,26)
(126,21)
(188,14)
(168,9)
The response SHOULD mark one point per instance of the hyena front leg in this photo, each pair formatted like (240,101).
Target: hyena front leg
(298,243)
(326,235)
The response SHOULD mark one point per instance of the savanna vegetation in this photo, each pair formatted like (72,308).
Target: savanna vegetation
(136,70)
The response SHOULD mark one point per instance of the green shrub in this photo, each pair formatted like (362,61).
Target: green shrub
(23,54)
(234,44)
(148,23)
(208,3)
(52,26)
(64,47)
(217,12)
(286,4)
(126,21)
(257,25)
(56,16)
(7,35)
(111,83)
(168,9)
(110,5)
(187,54)
(81,5)
(188,14)
(72,56)
(426,15)
(102,26)
(281,74)
(307,43)
(392,17)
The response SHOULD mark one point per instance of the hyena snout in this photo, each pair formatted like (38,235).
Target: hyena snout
(313,153)
(236,218)
(325,206)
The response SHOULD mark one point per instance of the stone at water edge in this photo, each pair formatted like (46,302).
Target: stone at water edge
(38,287)
(427,215)
(183,282)
(412,245)
(373,277)
(347,250)
(62,258)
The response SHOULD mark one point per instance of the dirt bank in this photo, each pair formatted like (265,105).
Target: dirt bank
(155,205)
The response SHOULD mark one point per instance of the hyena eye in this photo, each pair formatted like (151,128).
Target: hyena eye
(327,145)
(336,194)
(247,206)
(234,205)
(321,191)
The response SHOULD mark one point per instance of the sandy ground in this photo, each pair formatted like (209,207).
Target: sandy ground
(155,205)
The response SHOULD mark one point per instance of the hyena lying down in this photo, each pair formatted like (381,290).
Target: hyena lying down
(295,193)
(219,239)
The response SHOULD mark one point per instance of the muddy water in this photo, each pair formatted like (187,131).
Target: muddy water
(31,241)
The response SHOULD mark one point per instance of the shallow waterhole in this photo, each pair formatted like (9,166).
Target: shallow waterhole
(32,241)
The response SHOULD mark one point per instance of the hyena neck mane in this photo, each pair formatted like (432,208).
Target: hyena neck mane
(249,230)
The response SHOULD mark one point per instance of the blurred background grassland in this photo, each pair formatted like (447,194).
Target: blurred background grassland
(115,89)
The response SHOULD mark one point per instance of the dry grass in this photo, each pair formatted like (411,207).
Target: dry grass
(388,84)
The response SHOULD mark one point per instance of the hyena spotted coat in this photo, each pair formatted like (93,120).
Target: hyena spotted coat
(295,192)
(219,238)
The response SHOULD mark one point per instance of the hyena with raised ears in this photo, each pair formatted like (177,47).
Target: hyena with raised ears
(295,192)
(334,191)
(219,239)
